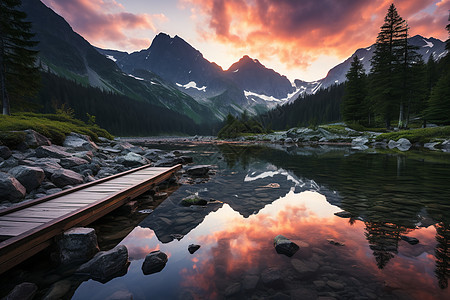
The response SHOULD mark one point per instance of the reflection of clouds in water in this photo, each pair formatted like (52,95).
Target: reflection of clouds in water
(138,241)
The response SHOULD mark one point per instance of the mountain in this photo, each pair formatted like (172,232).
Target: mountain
(67,54)
(246,85)
(427,47)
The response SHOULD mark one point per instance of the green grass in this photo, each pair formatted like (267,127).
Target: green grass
(421,135)
(53,126)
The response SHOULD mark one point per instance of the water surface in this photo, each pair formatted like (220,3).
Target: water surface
(265,191)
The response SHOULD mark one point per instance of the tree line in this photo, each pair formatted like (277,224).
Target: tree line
(400,86)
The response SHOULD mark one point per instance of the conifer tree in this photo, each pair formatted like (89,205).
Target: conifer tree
(386,62)
(354,107)
(18,73)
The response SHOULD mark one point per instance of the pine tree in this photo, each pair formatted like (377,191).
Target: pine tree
(18,73)
(438,110)
(354,107)
(386,61)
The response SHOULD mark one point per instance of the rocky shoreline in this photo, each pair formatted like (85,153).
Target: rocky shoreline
(38,168)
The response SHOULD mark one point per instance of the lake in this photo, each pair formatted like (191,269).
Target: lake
(369,252)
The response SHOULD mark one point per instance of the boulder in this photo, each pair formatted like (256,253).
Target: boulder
(9,164)
(131,160)
(106,265)
(192,248)
(284,246)
(86,155)
(154,262)
(289,141)
(123,146)
(200,170)
(49,165)
(137,149)
(34,139)
(23,291)
(10,188)
(70,162)
(359,141)
(77,244)
(193,200)
(63,177)
(51,151)
(78,141)
(5,152)
(271,277)
(29,177)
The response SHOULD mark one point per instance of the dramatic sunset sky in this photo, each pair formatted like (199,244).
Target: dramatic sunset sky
(298,38)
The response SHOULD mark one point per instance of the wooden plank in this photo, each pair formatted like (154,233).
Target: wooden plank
(25,219)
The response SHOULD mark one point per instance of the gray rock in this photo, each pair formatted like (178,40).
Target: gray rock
(49,165)
(70,162)
(431,146)
(34,139)
(86,155)
(29,177)
(63,177)
(200,170)
(105,172)
(402,144)
(53,191)
(289,141)
(132,160)
(9,164)
(271,277)
(284,246)
(51,151)
(10,188)
(335,285)
(359,141)
(23,291)
(154,262)
(5,152)
(137,149)
(304,268)
(77,245)
(123,146)
(78,141)
(106,265)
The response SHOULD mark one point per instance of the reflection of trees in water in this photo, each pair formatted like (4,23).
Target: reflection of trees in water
(383,240)
(238,155)
(442,254)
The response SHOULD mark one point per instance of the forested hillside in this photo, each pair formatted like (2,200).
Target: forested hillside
(118,114)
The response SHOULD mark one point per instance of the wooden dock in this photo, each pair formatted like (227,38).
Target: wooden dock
(31,226)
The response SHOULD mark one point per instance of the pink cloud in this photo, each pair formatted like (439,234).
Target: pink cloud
(297,32)
(105,22)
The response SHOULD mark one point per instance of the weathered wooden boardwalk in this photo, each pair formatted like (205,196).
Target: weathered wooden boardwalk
(31,226)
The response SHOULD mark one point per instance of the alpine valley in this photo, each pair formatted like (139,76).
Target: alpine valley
(173,77)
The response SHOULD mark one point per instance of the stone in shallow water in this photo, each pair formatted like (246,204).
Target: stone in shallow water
(284,246)
(343,214)
(23,291)
(271,277)
(192,248)
(154,262)
(193,200)
(250,282)
(77,245)
(336,243)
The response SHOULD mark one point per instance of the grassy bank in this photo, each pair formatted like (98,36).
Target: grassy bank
(421,135)
(53,126)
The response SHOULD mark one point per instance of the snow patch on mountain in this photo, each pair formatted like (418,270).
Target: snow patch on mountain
(193,85)
(428,44)
(138,78)
(111,58)
(261,96)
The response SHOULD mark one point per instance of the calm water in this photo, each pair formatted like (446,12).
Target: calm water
(295,192)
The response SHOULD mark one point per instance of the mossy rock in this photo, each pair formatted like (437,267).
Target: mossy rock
(193,200)
(12,139)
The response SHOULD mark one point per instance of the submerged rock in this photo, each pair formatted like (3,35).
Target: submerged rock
(343,214)
(336,243)
(154,262)
(107,265)
(23,291)
(200,170)
(271,277)
(284,246)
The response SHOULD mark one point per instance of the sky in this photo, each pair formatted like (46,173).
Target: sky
(301,39)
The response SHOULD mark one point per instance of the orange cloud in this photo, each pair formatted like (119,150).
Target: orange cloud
(297,32)
(103,21)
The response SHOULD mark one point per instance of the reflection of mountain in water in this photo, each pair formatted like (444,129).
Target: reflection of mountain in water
(245,191)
